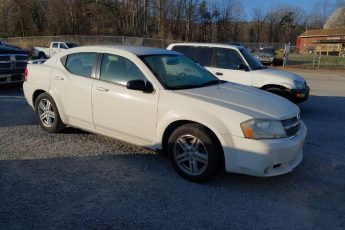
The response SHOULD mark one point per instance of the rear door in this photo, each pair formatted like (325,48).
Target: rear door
(72,80)
(226,66)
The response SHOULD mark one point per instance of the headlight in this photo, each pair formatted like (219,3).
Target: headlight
(263,129)
(299,84)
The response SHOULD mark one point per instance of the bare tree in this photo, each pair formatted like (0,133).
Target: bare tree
(259,19)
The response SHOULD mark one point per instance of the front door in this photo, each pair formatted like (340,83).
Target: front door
(118,111)
(226,67)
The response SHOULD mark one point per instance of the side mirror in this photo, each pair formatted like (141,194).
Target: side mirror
(140,85)
(242,67)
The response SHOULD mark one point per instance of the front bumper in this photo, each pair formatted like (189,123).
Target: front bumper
(264,158)
(11,78)
(300,95)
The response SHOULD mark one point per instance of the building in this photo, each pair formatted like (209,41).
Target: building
(329,41)
(325,41)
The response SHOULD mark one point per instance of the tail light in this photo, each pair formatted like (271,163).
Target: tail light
(26,72)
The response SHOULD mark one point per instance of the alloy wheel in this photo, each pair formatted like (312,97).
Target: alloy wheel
(46,113)
(190,155)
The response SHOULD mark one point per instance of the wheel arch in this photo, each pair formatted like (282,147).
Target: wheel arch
(36,94)
(265,87)
(175,124)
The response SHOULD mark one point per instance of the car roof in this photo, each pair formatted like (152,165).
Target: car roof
(218,45)
(137,50)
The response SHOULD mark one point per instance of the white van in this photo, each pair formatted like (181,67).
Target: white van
(236,64)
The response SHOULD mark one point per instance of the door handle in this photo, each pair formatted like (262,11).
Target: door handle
(101,89)
(59,78)
(219,73)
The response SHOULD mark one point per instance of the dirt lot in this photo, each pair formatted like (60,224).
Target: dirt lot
(80,180)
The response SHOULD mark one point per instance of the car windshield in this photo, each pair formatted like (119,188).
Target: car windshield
(179,72)
(254,63)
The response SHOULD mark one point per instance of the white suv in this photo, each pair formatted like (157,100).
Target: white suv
(236,64)
(162,100)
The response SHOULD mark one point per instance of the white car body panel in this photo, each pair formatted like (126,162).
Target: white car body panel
(142,118)
(124,113)
(273,77)
(236,76)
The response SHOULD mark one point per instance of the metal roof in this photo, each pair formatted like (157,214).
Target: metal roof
(323,32)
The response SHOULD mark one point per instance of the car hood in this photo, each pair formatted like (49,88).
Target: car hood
(282,75)
(8,49)
(252,102)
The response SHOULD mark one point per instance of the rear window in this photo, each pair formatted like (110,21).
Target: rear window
(81,64)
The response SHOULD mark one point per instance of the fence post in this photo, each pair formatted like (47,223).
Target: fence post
(286,54)
(314,57)
(319,61)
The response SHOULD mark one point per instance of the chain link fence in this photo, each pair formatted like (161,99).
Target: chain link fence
(315,59)
(311,60)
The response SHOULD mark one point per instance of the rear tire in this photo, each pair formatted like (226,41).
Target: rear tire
(195,153)
(47,114)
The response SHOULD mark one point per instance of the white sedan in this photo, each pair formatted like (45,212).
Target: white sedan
(163,100)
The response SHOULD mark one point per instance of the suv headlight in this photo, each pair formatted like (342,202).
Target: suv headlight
(263,129)
(299,84)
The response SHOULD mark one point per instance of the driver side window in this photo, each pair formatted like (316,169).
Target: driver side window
(227,59)
(63,46)
(119,70)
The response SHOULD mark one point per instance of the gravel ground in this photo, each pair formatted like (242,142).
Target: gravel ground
(78,180)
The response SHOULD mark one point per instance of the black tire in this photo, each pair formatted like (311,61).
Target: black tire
(48,123)
(42,56)
(208,145)
(280,92)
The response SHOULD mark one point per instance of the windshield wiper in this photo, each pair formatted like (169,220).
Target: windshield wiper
(183,87)
(213,82)
(260,67)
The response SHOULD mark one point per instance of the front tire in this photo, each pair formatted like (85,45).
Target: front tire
(47,114)
(195,153)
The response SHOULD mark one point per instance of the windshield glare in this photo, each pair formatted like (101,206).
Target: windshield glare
(179,71)
(254,63)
